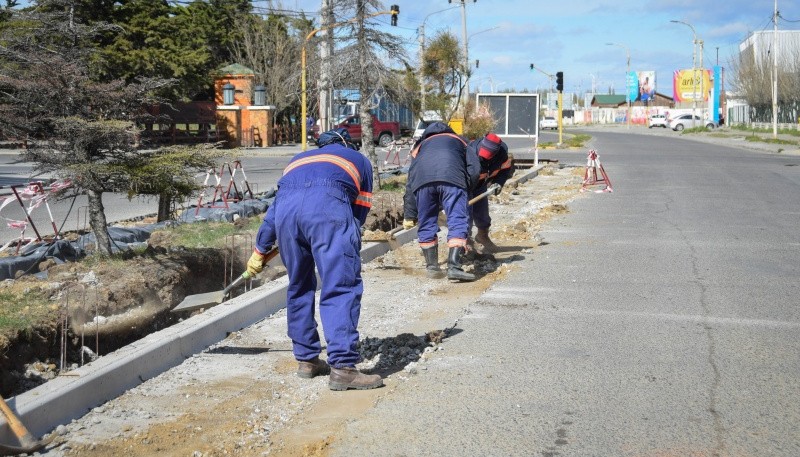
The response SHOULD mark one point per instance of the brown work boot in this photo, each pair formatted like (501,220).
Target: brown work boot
(350,378)
(482,237)
(310,368)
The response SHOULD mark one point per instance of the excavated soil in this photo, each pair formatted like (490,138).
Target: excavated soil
(241,396)
(106,305)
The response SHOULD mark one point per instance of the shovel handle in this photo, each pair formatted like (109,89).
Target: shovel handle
(488,192)
(267,257)
(22,433)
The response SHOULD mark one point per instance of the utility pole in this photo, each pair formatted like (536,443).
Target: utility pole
(325,53)
(628,79)
(702,87)
(775,72)
(466,50)
(422,68)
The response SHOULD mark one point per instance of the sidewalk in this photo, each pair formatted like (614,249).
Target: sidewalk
(722,136)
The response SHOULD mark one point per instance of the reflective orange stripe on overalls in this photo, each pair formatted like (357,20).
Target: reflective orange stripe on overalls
(363,198)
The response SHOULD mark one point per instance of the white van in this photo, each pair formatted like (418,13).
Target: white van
(428,118)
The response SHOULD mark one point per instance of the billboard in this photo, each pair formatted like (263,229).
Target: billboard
(647,86)
(686,88)
(514,115)
(631,86)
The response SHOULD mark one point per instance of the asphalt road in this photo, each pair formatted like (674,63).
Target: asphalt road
(660,319)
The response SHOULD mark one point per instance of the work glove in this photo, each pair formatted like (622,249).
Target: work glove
(409,223)
(497,190)
(256,263)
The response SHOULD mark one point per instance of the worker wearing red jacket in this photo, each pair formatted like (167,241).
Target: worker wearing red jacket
(496,168)
(323,199)
(439,178)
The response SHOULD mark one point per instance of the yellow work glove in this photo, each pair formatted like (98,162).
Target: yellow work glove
(256,264)
(409,223)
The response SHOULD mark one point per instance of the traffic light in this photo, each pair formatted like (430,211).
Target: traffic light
(395,11)
(477,63)
(531,67)
(560,81)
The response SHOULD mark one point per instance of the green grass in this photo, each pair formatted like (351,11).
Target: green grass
(19,311)
(578,140)
(758,139)
(696,130)
(745,128)
(209,234)
(393,186)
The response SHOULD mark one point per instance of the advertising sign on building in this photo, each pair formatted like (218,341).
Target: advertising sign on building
(687,88)
(631,86)
(647,86)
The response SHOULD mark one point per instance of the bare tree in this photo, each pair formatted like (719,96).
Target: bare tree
(270,47)
(77,127)
(753,76)
(366,59)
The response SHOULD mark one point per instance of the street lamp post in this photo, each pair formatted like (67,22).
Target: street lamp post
(469,38)
(694,68)
(464,37)
(627,78)
(303,98)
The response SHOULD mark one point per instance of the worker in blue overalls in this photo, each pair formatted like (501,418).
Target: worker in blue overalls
(439,178)
(496,168)
(323,200)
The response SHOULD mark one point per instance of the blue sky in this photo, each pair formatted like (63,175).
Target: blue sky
(571,36)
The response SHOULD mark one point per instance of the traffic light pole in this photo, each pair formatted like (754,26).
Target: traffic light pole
(560,89)
(395,10)
(560,120)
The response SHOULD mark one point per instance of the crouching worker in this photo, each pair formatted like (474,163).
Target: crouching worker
(496,168)
(439,178)
(323,199)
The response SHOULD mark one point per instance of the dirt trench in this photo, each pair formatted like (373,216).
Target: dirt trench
(103,306)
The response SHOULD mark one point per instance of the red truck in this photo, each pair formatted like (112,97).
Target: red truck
(383,133)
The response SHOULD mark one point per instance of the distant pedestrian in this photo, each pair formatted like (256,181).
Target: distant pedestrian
(323,199)
(439,178)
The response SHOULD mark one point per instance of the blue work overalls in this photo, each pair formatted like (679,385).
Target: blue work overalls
(323,198)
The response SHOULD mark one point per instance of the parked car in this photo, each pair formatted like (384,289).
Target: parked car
(657,120)
(685,121)
(548,123)
(383,133)
(421,126)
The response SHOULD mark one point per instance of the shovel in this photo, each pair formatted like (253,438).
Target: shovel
(393,244)
(27,444)
(209,299)
(488,192)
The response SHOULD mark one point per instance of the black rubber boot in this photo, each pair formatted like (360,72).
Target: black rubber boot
(483,238)
(431,255)
(454,270)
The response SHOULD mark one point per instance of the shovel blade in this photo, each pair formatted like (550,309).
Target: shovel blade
(28,447)
(194,302)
